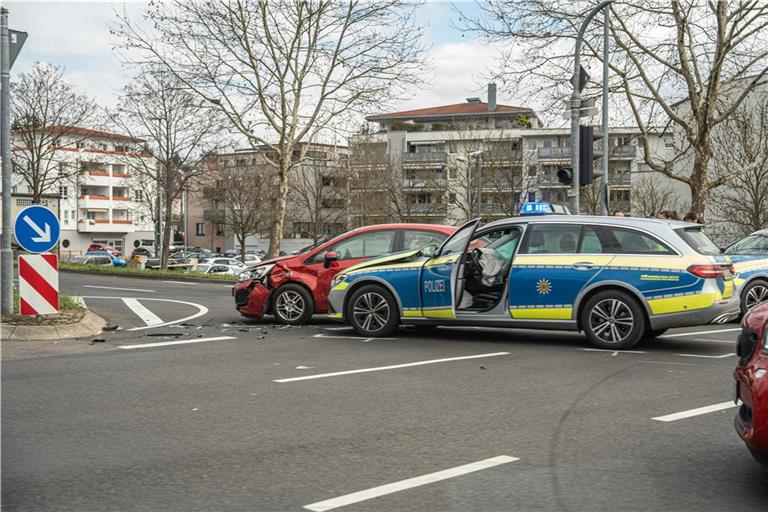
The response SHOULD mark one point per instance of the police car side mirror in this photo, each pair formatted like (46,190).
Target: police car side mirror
(428,251)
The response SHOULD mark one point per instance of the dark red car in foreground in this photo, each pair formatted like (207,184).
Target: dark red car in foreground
(752,382)
(292,288)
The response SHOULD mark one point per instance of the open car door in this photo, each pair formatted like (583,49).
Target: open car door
(441,281)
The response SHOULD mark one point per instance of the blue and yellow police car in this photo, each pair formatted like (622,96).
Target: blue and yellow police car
(616,279)
(750,260)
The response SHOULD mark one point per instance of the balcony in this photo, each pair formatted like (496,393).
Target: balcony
(624,206)
(213,193)
(622,152)
(623,179)
(554,153)
(95,201)
(370,160)
(105,226)
(432,159)
(213,215)
(550,182)
(427,209)
(425,183)
(501,156)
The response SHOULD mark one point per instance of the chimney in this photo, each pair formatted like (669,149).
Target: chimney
(491,97)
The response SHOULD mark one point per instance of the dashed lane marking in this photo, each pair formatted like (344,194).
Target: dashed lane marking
(177,342)
(410,483)
(392,367)
(613,352)
(201,310)
(142,312)
(181,282)
(696,412)
(698,333)
(122,289)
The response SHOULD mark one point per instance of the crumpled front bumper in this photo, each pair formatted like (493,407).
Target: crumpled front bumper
(252,298)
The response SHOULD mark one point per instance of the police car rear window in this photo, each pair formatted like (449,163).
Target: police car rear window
(630,241)
(698,241)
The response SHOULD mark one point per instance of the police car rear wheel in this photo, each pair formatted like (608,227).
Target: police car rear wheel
(613,320)
(372,311)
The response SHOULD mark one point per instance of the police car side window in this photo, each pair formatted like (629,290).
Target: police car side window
(552,239)
(629,241)
(590,241)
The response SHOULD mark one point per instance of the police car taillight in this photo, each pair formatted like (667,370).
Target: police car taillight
(706,271)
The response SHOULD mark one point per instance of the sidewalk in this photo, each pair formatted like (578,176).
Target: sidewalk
(89,325)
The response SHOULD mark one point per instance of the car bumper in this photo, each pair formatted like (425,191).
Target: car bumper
(721,311)
(751,421)
(336,304)
(251,298)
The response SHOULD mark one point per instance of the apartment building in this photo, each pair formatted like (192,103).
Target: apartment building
(97,195)
(317,201)
(423,165)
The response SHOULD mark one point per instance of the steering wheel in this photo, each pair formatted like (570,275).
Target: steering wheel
(473,262)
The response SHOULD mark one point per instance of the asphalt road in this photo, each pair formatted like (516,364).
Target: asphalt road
(257,417)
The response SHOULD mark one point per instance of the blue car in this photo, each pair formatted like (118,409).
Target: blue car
(750,260)
(116,262)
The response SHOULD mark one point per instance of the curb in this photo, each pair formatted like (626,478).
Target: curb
(89,325)
(150,277)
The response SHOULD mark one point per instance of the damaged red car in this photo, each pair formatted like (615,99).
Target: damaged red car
(292,288)
(751,376)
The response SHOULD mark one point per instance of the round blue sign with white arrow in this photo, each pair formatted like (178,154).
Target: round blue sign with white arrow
(36,228)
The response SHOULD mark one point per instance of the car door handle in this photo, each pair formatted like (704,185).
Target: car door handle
(583,265)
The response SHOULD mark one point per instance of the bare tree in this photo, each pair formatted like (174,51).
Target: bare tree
(178,131)
(590,198)
(741,207)
(684,65)
(650,195)
(238,192)
(283,71)
(47,115)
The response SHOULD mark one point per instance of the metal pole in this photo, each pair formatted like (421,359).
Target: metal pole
(478,172)
(158,185)
(5,152)
(576,106)
(604,161)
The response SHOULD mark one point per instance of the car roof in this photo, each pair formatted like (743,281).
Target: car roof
(404,225)
(639,222)
(763,232)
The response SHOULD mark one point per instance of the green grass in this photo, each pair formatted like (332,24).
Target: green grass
(101,269)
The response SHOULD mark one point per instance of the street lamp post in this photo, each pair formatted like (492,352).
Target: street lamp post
(576,105)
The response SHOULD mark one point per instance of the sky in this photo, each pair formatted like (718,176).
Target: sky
(75,35)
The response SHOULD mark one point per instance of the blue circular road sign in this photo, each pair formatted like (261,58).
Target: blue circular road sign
(36,229)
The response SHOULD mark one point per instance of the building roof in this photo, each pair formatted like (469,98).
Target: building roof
(457,109)
(87,132)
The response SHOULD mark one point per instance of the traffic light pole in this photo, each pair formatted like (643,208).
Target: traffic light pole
(6,267)
(604,159)
(576,107)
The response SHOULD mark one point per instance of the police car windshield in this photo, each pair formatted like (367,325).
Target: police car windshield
(700,243)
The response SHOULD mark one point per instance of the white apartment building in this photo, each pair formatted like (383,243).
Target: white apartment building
(432,156)
(101,202)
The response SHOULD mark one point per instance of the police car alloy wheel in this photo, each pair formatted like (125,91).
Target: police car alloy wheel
(754,293)
(613,320)
(372,311)
(293,305)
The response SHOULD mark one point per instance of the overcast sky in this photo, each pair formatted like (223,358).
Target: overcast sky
(76,35)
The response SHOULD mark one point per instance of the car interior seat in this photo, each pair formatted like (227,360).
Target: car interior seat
(536,244)
(567,243)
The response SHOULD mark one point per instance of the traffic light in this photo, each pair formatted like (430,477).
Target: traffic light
(565,176)
(587,155)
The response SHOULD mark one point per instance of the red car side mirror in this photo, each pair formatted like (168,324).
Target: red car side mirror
(330,257)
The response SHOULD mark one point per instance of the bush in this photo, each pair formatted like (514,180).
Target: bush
(105,269)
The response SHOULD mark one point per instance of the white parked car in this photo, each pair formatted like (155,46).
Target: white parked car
(208,268)
(230,262)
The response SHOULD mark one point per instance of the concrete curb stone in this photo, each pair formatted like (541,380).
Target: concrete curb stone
(89,325)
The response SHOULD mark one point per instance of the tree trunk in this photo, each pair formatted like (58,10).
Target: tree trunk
(168,214)
(699,184)
(241,239)
(276,231)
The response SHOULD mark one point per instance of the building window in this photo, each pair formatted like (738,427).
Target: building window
(66,216)
(668,142)
(137,194)
(531,196)
(219,229)
(531,170)
(64,191)
(200,229)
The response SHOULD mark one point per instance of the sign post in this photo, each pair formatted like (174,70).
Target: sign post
(37,231)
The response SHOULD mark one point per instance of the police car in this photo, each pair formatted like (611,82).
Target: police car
(750,259)
(616,279)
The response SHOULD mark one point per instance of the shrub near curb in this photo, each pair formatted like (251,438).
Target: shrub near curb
(146,274)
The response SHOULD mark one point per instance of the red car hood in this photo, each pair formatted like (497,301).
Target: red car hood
(272,261)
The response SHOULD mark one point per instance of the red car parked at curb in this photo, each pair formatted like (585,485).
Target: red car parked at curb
(292,288)
(751,376)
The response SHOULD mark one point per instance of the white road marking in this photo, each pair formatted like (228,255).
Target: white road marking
(392,367)
(122,289)
(177,342)
(696,412)
(409,483)
(142,312)
(337,329)
(358,338)
(614,352)
(729,342)
(669,362)
(201,310)
(707,357)
(697,333)
(181,282)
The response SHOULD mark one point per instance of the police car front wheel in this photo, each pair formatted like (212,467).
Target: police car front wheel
(613,319)
(372,311)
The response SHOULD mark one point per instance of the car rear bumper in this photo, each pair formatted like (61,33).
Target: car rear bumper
(720,312)
(251,298)
(751,421)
